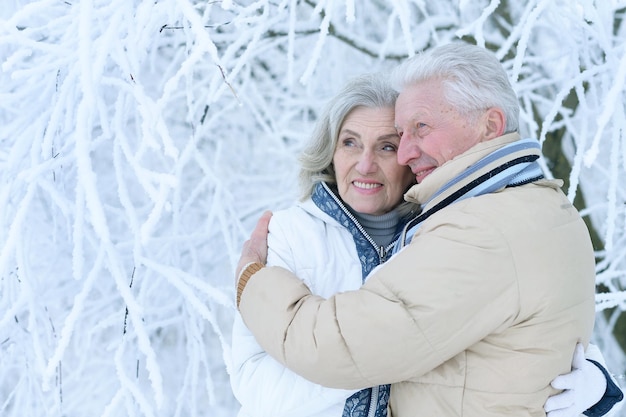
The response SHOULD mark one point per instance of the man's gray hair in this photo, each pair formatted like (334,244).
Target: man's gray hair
(472,77)
(369,90)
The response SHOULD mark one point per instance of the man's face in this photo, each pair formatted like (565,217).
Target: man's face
(431,131)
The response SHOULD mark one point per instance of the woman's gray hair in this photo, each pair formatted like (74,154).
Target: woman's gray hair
(371,91)
(316,160)
(473,79)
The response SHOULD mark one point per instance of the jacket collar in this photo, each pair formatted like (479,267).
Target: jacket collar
(424,191)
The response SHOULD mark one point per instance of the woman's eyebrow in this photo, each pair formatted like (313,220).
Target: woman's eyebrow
(350,132)
(393,135)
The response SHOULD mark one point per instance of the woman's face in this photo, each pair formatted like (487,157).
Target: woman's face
(369,178)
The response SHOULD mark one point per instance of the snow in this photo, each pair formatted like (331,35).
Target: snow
(141,140)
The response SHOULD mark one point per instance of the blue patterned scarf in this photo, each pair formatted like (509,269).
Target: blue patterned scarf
(359,404)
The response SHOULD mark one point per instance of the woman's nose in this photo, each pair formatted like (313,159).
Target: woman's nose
(366,163)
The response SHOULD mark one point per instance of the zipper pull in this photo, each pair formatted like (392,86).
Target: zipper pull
(382,252)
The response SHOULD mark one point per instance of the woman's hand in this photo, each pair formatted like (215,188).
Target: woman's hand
(582,388)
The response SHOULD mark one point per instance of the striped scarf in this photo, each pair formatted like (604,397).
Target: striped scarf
(510,166)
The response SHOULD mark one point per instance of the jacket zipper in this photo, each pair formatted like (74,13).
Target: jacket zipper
(382,254)
(373,402)
(381,250)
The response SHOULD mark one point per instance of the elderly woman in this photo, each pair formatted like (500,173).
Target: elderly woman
(349,218)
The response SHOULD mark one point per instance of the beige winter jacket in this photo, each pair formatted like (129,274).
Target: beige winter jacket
(473,318)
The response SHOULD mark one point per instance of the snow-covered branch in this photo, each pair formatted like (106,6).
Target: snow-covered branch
(140,141)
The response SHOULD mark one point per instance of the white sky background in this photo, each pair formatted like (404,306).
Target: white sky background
(141,140)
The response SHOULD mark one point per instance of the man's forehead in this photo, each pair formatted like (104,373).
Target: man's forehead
(410,112)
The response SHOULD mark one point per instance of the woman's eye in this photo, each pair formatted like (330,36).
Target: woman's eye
(389,147)
(348,142)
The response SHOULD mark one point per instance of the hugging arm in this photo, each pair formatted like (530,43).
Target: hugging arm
(262,385)
(589,389)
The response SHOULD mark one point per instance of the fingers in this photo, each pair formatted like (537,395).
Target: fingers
(255,248)
(564,412)
(567,381)
(559,403)
(262,227)
(257,244)
(572,400)
(579,357)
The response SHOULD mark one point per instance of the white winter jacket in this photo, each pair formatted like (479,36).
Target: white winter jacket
(307,241)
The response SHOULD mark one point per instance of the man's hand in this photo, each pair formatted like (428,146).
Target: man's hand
(255,248)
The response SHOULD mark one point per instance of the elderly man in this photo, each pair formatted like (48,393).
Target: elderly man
(494,283)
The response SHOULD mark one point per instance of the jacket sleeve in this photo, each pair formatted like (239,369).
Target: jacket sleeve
(263,386)
(613,394)
(338,341)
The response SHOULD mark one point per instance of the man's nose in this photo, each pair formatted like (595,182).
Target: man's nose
(408,150)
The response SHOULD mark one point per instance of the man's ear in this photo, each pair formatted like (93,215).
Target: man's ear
(494,122)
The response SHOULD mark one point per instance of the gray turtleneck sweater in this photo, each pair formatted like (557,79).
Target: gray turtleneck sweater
(381,228)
